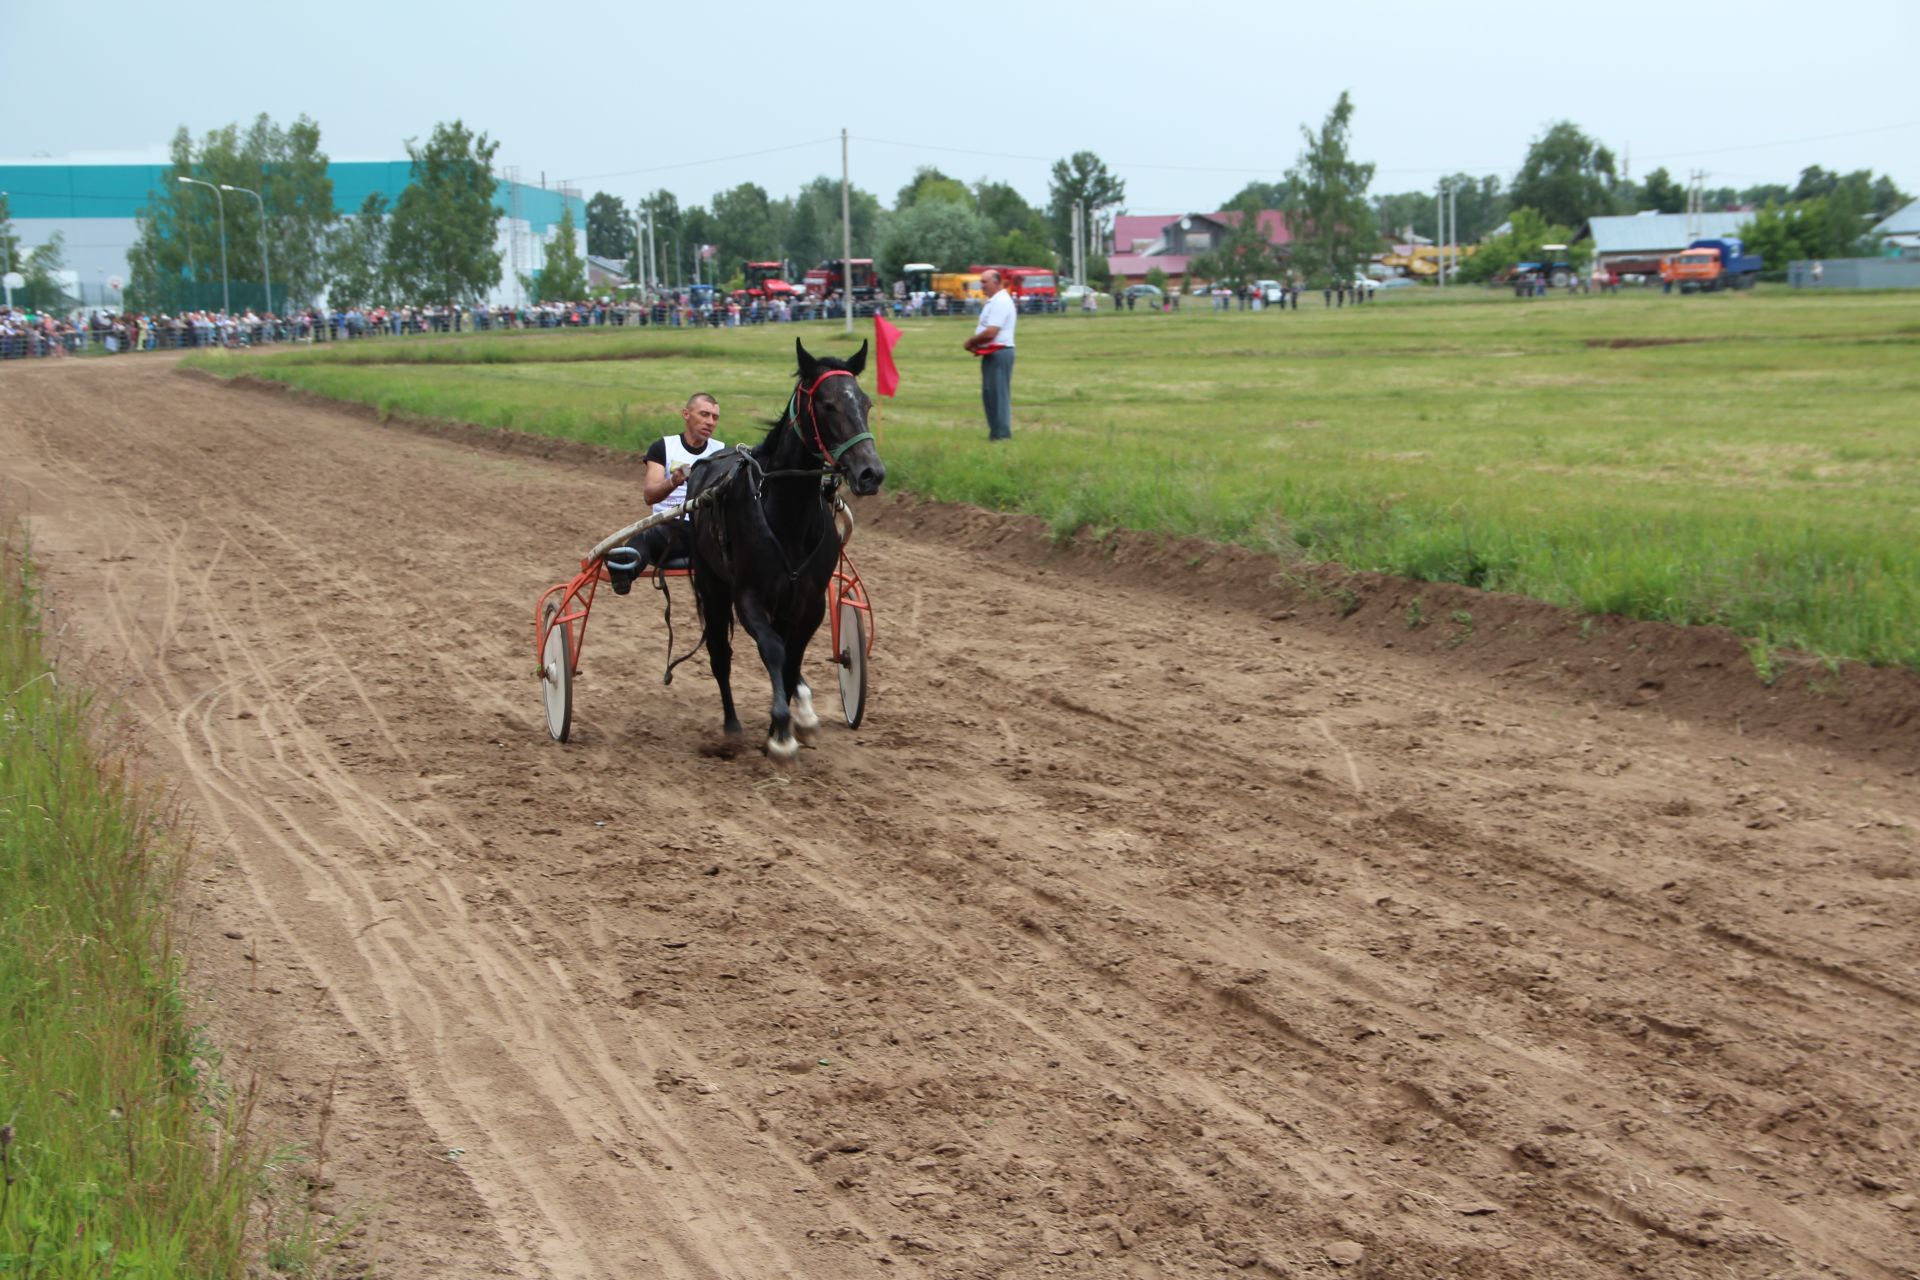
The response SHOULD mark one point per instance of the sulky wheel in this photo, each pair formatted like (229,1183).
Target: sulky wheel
(556,674)
(852,662)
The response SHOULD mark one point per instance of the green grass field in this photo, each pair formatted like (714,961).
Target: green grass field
(1758,468)
(120,1156)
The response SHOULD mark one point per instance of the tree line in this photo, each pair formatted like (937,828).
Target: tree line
(1565,178)
(934,218)
(436,241)
(1568,177)
(433,243)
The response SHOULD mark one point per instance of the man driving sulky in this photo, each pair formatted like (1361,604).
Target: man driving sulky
(665,489)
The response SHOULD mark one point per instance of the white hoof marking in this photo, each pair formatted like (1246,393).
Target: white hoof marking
(805,718)
(782,750)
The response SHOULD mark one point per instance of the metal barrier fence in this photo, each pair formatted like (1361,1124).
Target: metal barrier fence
(102,333)
(1855,273)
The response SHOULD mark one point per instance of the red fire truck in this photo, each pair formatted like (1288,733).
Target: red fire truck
(830,275)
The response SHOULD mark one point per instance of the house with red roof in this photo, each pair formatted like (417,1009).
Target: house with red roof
(1171,242)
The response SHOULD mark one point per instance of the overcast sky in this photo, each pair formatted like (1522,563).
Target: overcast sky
(1186,102)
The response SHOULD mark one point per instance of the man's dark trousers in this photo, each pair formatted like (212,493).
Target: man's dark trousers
(996,392)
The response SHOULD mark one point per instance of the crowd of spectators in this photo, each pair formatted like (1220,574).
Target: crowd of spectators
(28,333)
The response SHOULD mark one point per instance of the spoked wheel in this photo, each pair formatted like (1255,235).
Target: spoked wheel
(852,662)
(556,674)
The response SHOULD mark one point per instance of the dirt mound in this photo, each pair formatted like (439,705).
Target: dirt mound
(1153,923)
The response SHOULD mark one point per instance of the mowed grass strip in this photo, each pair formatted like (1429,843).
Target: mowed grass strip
(1743,460)
(508,346)
(119,1158)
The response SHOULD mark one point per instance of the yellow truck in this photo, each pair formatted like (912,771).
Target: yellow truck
(960,286)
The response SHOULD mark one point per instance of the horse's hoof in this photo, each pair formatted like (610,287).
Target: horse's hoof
(805,718)
(782,748)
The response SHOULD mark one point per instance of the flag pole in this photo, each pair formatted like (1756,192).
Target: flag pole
(846,238)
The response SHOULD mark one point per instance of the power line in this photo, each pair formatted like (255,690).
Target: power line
(1787,142)
(694,164)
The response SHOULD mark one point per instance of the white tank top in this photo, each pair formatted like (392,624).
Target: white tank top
(678,455)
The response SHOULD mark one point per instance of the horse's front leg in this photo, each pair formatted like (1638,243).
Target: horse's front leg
(773,652)
(806,721)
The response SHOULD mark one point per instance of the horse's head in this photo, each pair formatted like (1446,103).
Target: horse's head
(832,413)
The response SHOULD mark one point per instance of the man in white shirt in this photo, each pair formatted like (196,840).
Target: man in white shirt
(664,487)
(992,341)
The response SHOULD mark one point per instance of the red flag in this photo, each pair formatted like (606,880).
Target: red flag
(885,334)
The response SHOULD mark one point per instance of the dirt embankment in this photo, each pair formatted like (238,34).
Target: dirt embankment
(1161,919)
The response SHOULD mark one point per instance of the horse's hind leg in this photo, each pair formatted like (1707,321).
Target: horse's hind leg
(716,610)
(773,652)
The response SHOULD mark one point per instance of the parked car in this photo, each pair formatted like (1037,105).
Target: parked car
(1394,282)
(1270,290)
(1363,283)
(1073,293)
(1144,291)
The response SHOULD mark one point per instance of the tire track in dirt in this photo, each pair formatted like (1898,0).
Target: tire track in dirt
(1131,934)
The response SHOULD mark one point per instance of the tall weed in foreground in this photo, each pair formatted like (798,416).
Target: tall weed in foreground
(121,1156)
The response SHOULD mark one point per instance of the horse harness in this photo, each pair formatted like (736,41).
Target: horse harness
(829,476)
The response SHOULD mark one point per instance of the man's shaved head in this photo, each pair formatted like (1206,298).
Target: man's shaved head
(698,396)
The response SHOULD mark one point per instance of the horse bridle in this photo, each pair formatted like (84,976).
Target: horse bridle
(832,456)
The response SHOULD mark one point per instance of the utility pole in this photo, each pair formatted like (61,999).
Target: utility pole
(1453,227)
(846,237)
(1079,231)
(1073,239)
(1440,232)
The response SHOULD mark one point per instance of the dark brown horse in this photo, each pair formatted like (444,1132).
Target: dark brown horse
(766,544)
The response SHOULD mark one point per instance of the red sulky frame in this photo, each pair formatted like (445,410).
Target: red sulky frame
(569,604)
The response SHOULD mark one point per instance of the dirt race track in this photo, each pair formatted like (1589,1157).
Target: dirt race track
(1135,934)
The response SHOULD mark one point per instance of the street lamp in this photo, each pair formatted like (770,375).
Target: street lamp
(6,263)
(226,297)
(266,267)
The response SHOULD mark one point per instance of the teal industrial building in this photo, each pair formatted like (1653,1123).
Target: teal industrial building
(93,206)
